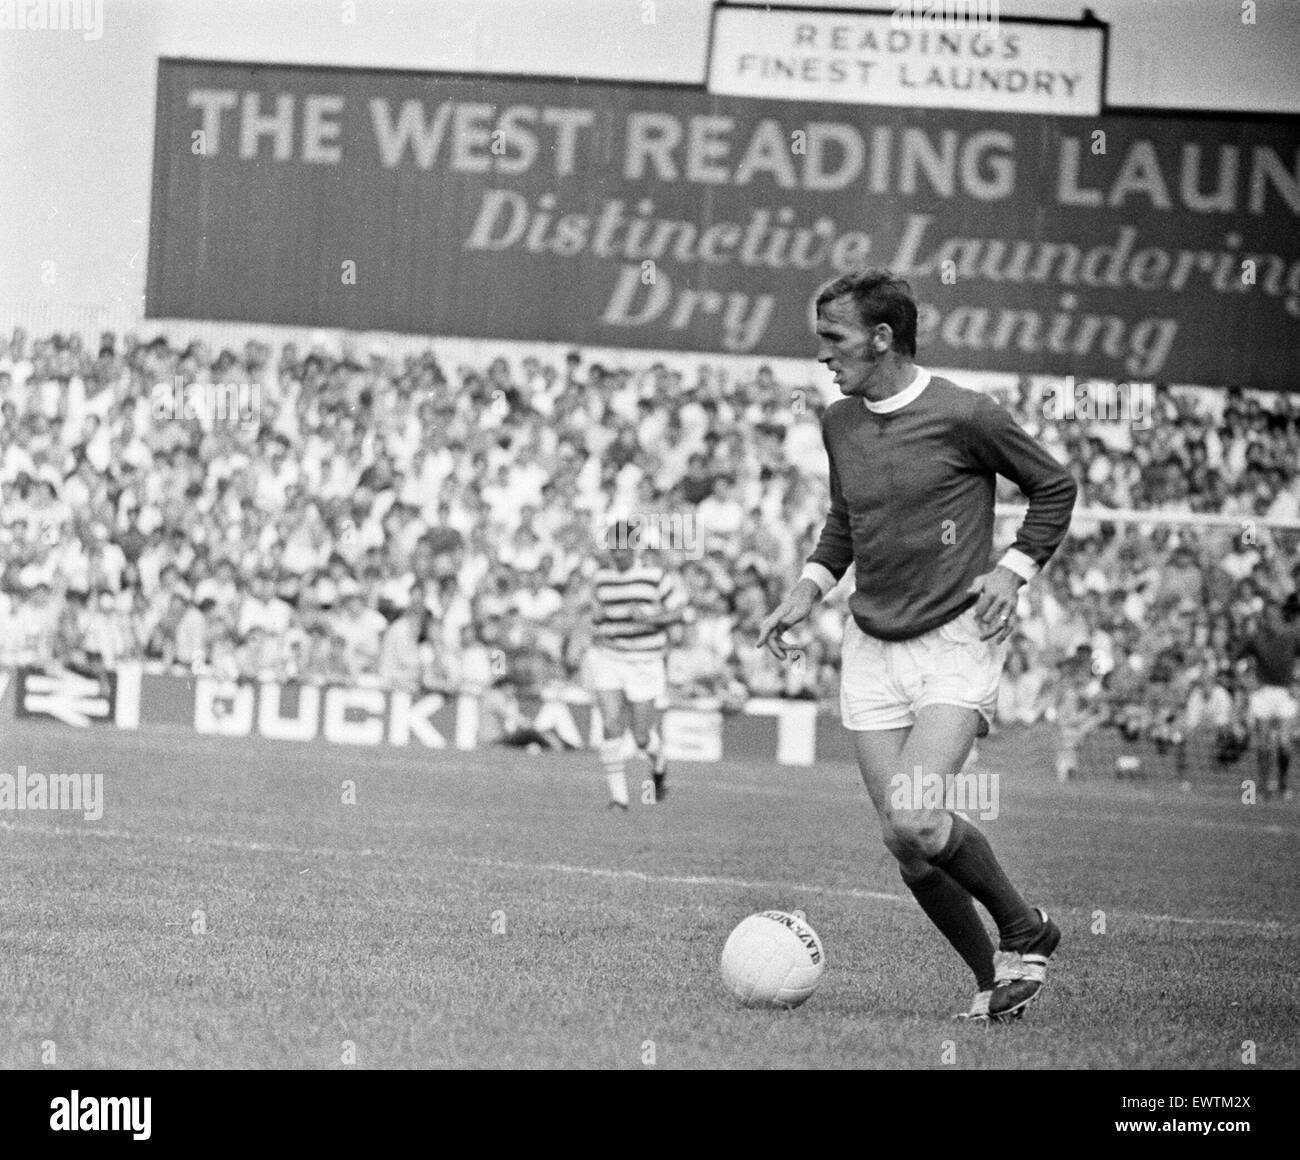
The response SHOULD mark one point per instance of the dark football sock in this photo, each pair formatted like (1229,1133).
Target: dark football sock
(970,862)
(953,911)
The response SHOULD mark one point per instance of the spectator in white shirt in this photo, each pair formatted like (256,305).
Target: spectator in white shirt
(401,661)
(362,628)
(721,515)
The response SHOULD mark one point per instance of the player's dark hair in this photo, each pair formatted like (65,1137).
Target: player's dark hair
(879,297)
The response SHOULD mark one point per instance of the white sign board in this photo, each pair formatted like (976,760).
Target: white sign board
(888,58)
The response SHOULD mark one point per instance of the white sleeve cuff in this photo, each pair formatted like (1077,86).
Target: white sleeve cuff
(820,576)
(1020,564)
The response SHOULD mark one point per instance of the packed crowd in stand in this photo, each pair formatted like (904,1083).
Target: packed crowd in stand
(368,520)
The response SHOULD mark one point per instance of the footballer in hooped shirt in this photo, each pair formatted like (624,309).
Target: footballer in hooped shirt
(634,604)
(914,460)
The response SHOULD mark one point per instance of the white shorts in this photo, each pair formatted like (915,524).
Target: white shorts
(883,683)
(638,677)
(1272,703)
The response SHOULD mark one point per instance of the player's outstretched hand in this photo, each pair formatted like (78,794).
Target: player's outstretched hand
(995,610)
(793,609)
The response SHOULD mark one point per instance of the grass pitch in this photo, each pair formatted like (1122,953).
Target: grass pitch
(484,910)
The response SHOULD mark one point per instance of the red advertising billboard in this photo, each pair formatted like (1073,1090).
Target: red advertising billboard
(660,216)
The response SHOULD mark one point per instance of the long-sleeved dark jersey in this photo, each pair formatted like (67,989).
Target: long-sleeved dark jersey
(912,494)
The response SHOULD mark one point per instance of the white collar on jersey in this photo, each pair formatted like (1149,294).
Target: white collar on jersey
(905,396)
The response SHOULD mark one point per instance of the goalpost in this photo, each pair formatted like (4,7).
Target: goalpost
(1107,752)
(1156,516)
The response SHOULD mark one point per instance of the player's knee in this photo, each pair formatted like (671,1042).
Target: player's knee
(896,844)
(912,833)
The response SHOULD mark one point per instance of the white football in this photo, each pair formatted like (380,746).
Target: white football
(773,959)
